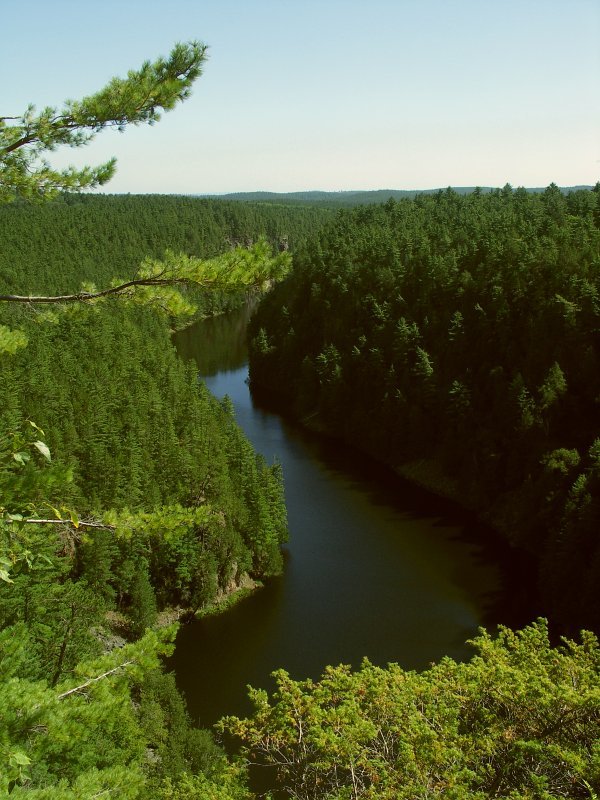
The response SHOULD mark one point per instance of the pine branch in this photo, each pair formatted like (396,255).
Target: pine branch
(94,680)
(138,98)
(84,296)
(70,523)
(237,269)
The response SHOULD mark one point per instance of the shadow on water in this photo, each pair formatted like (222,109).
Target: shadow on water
(374,567)
(217,344)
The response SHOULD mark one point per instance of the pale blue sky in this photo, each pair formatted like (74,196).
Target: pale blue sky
(300,94)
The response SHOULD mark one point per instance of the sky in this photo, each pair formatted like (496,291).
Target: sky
(327,94)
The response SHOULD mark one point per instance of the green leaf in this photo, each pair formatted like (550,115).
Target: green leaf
(22,457)
(19,758)
(55,511)
(4,576)
(36,427)
(44,449)
(11,341)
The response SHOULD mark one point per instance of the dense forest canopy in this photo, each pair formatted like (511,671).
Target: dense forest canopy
(110,236)
(456,338)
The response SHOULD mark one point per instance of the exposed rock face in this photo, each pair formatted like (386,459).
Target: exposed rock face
(243,583)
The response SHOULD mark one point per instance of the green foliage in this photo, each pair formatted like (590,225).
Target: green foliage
(11,341)
(165,458)
(182,253)
(155,282)
(176,746)
(199,787)
(461,330)
(27,478)
(142,606)
(83,731)
(520,720)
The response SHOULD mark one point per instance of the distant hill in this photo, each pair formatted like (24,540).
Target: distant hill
(354,198)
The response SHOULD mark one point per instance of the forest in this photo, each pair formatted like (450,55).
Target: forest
(159,468)
(456,338)
(130,497)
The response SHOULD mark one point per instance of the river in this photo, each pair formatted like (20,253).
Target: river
(374,567)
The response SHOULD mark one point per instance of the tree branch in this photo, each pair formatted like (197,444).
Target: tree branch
(80,524)
(135,99)
(223,277)
(84,296)
(19,143)
(94,680)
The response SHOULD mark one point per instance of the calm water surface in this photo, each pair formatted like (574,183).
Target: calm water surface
(374,567)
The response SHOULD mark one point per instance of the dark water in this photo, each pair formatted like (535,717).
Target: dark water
(374,567)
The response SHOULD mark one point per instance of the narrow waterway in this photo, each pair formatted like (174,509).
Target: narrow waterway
(374,566)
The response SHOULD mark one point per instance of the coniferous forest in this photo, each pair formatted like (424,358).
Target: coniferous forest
(452,336)
(458,336)
(185,511)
